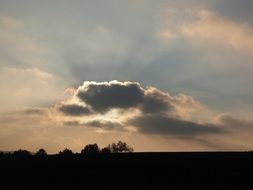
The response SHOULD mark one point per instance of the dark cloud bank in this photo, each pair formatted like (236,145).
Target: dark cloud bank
(157,108)
(165,125)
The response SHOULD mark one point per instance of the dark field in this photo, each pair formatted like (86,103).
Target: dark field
(203,170)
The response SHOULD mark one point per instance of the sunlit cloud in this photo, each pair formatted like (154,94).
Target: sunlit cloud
(120,105)
(28,71)
(233,122)
(131,119)
(212,27)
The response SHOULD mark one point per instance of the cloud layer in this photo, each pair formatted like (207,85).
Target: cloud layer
(157,117)
(117,105)
(165,125)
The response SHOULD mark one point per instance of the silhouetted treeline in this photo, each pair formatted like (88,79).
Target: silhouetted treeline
(94,168)
(88,150)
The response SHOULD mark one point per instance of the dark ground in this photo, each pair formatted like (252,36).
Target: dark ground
(198,170)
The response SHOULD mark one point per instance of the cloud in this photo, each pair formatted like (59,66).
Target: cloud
(156,101)
(168,121)
(18,47)
(117,105)
(29,87)
(35,111)
(213,27)
(103,96)
(35,72)
(165,125)
(108,125)
(74,110)
(233,122)
(96,123)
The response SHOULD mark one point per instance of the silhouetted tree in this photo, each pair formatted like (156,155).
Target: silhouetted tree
(21,153)
(90,149)
(41,152)
(66,153)
(105,150)
(1,155)
(120,147)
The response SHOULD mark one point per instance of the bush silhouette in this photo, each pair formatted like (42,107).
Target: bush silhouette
(105,150)
(66,153)
(22,154)
(119,147)
(90,149)
(41,152)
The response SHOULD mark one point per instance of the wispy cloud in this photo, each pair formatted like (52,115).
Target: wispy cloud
(24,87)
(212,27)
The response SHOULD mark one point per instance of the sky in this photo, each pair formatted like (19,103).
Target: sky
(161,75)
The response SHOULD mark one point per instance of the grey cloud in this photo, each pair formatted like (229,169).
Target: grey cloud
(105,96)
(74,110)
(229,121)
(35,111)
(72,123)
(108,95)
(158,110)
(155,101)
(108,125)
(165,125)
(29,112)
